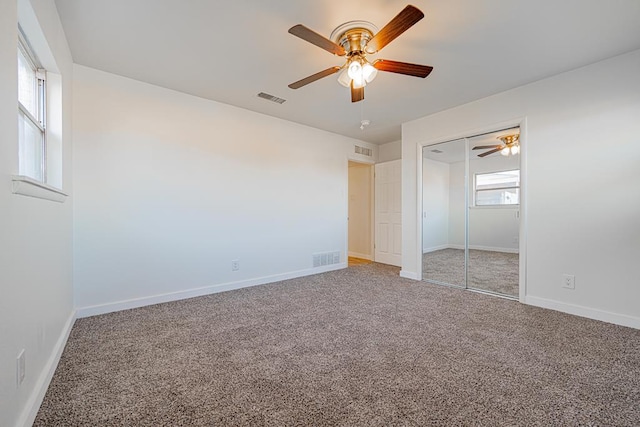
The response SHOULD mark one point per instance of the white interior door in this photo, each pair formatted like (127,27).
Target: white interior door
(388,213)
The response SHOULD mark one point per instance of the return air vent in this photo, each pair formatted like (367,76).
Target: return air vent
(326,258)
(364,151)
(271,98)
(437,151)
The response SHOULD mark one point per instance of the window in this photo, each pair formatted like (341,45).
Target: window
(31,113)
(497,188)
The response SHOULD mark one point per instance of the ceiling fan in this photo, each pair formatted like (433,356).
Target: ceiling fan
(510,145)
(356,39)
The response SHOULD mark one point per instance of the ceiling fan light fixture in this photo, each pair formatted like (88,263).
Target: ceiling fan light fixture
(360,71)
(357,72)
(505,151)
(359,82)
(515,149)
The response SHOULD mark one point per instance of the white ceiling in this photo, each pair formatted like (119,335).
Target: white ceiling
(229,51)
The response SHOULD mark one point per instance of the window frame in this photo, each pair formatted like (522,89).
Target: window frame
(40,122)
(499,205)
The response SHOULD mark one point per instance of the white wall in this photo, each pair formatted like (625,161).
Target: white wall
(456,204)
(435,205)
(390,151)
(582,202)
(494,229)
(170,188)
(36,299)
(360,210)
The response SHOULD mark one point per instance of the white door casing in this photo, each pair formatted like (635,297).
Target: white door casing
(388,213)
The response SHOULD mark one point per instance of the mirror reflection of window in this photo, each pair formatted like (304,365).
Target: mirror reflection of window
(497,188)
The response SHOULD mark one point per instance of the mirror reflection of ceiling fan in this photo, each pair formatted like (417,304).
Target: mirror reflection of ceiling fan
(355,40)
(510,146)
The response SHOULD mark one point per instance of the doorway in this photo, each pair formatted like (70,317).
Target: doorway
(360,214)
(388,213)
(471,213)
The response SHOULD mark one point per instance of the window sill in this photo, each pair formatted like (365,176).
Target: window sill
(30,187)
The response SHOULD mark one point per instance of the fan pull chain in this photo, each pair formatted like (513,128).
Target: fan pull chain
(363,122)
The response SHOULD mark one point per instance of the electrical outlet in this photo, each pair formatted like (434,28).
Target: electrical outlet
(235,265)
(20,368)
(568,281)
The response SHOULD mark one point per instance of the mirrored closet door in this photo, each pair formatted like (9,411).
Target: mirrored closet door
(471,213)
(444,213)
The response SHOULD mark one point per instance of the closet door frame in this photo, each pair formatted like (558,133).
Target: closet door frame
(518,122)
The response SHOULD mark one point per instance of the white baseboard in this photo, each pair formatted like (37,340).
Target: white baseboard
(435,248)
(95,310)
(42,384)
(591,313)
(476,247)
(494,249)
(409,275)
(361,256)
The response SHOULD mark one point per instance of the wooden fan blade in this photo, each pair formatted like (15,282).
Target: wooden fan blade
(312,78)
(357,94)
(398,25)
(484,147)
(415,70)
(314,38)
(495,150)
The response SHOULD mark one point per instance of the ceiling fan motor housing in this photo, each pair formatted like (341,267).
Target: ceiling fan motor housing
(353,36)
(509,139)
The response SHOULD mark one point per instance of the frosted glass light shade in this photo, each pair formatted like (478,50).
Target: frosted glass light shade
(343,78)
(359,82)
(355,70)
(369,72)
(358,71)
(505,151)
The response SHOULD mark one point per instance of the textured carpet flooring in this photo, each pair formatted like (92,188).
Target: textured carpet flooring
(359,346)
(488,270)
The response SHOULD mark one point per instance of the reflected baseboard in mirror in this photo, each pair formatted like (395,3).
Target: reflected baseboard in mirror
(489,271)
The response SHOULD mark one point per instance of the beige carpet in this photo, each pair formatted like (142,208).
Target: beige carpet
(488,270)
(359,346)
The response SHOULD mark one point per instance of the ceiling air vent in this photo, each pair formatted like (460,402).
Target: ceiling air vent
(271,98)
(437,151)
(364,151)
